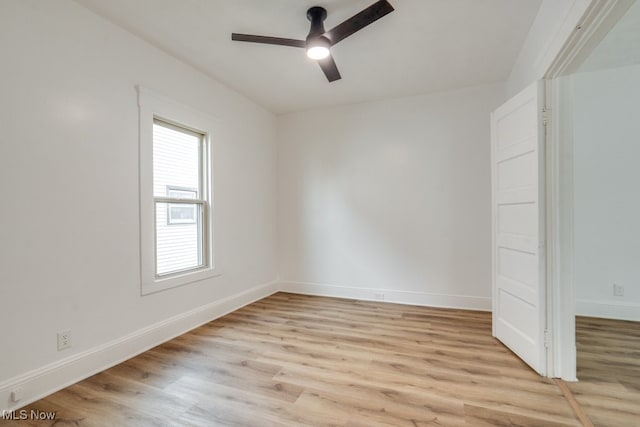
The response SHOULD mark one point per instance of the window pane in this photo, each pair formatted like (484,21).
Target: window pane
(176,161)
(178,237)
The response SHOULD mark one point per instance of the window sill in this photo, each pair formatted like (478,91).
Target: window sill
(162,284)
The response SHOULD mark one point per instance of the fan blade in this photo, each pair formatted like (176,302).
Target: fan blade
(329,68)
(267,40)
(359,21)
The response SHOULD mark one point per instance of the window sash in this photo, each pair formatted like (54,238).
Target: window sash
(202,234)
(177,127)
(174,200)
(202,152)
(201,219)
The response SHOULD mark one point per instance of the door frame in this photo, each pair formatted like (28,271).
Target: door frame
(598,19)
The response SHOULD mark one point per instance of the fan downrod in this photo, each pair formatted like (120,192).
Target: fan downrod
(316,15)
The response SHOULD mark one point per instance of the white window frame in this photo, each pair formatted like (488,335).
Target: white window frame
(154,106)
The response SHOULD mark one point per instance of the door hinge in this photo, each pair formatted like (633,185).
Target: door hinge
(547,339)
(545,116)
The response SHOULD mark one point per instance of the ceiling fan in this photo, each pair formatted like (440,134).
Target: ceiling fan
(319,41)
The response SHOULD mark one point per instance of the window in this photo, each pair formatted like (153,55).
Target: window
(175,194)
(177,164)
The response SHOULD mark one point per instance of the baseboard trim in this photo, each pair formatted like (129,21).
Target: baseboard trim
(48,379)
(608,310)
(394,296)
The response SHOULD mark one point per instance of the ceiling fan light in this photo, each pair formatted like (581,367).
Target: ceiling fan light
(318,47)
(317,52)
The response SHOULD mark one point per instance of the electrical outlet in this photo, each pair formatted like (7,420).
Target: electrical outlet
(17,394)
(64,339)
(618,290)
(379,296)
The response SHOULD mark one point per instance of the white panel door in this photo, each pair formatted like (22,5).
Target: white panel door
(517,147)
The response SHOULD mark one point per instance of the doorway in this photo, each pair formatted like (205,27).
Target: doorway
(599,103)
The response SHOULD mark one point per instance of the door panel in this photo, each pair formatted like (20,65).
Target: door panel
(517,266)
(517,147)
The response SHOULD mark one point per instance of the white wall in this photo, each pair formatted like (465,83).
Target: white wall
(554,23)
(69,226)
(389,197)
(607,193)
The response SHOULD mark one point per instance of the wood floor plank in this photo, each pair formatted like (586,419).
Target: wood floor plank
(296,360)
(486,417)
(219,404)
(378,412)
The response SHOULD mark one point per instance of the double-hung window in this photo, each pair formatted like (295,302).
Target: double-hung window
(180,205)
(175,194)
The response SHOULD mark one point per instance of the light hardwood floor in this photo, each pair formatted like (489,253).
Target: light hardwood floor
(301,360)
(608,371)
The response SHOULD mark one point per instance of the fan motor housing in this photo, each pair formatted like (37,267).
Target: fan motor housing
(316,15)
(317,12)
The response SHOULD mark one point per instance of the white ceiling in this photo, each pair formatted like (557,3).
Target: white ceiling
(620,47)
(423,46)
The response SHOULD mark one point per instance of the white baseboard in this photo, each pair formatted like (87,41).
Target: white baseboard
(608,310)
(48,379)
(388,295)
